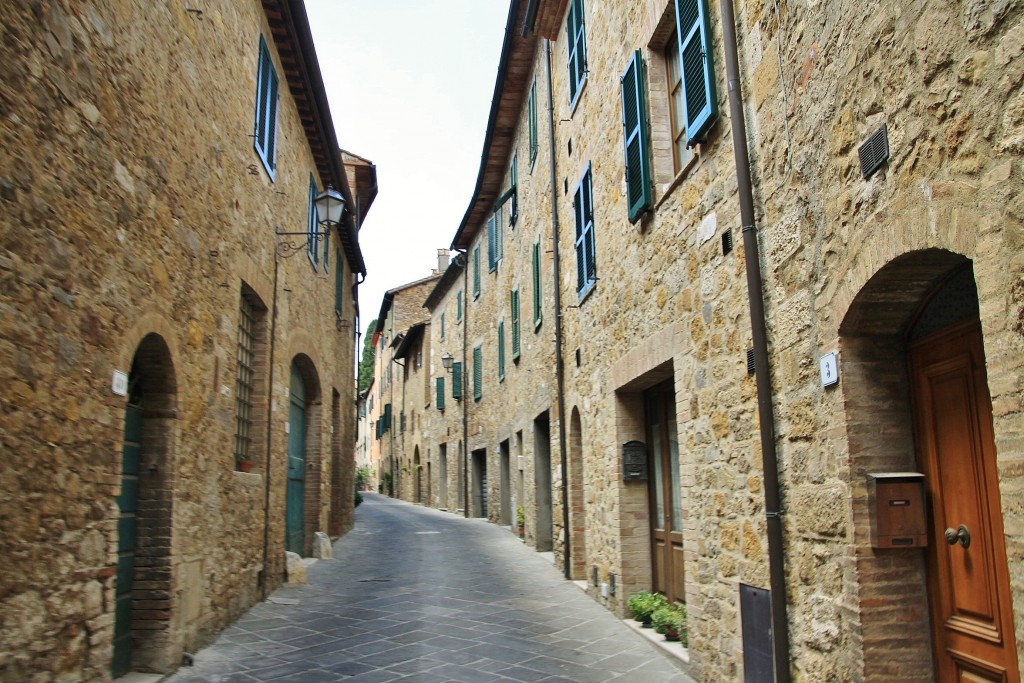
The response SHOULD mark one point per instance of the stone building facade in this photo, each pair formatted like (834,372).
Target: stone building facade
(177,328)
(884,222)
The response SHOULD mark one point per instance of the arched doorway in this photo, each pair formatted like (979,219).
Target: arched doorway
(917,397)
(577,501)
(417,479)
(295,503)
(141,634)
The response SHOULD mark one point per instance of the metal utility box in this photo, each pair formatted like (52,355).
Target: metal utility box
(634,461)
(897,508)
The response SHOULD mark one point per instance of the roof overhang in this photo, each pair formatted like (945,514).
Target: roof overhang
(409,339)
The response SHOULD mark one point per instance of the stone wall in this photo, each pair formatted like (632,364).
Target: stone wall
(134,210)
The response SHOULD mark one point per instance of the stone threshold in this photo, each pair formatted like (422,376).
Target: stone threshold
(136,677)
(672,648)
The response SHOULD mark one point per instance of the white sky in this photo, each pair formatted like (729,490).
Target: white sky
(410,84)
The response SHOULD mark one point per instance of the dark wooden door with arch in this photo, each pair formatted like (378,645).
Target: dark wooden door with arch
(127,537)
(295,500)
(968,582)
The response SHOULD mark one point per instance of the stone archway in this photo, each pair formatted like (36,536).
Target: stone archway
(305,467)
(915,295)
(144,638)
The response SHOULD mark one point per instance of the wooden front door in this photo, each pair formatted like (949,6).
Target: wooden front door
(295,503)
(968,583)
(665,493)
(127,535)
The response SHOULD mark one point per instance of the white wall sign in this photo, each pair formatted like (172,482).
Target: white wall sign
(829,369)
(120,384)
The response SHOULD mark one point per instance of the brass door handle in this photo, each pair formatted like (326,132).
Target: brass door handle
(960,535)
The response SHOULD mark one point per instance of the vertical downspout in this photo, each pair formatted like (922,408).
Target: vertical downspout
(559,365)
(465,384)
(270,407)
(755,294)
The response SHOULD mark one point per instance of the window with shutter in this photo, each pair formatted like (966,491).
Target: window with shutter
(537,308)
(458,306)
(583,212)
(476,272)
(439,382)
(478,373)
(700,103)
(501,350)
(457,379)
(442,326)
(634,135)
(513,172)
(265,134)
(577,46)
(514,305)
(312,237)
(492,237)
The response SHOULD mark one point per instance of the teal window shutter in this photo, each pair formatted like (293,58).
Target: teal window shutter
(537,309)
(457,380)
(700,103)
(267,84)
(339,282)
(478,373)
(312,225)
(440,393)
(458,306)
(583,211)
(442,325)
(514,305)
(501,350)
(634,135)
(532,117)
(476,272)
(492,243)
(513,172)
(387,417)
(577,42)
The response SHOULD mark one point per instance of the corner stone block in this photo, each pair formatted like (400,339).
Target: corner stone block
(296,569)
(322,546)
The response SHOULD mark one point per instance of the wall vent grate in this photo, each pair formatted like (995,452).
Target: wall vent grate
(750,361)
(727,242)
(874,152)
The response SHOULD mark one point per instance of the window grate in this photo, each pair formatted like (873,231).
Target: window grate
(874,152)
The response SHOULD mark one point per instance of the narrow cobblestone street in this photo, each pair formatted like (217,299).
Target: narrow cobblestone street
(418,595)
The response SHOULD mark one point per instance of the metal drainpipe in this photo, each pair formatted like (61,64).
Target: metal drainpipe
(270,404)
(755,294)
(465,382)
(559,365)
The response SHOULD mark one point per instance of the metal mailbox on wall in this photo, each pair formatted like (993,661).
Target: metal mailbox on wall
(897,511)
(634,461)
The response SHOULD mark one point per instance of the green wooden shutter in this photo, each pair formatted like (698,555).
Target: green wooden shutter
(492,243)
(537,309)
(387,416)
(456,380)
(442,325)
(700,103)
(478,373)
(458,306)
(634,135)
(577,47)
(476,272)
(440,393)
(514,305)
(583,211)
(501,350)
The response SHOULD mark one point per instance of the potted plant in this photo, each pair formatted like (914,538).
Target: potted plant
(670,621)
(243,464)
(521,521)
(644,604)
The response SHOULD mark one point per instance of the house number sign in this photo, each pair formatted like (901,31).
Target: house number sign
(829,369)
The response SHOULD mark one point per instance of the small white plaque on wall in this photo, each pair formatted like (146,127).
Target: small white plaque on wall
(120,384)
(829,369)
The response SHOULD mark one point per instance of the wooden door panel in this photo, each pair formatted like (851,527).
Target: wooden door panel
(968,586)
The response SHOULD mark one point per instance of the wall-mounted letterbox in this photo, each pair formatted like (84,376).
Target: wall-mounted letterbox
(634,461)
(896,506)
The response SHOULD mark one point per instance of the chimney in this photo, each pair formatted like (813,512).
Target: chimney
(442,260)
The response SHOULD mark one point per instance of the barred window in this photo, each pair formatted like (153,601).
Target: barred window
(244,393)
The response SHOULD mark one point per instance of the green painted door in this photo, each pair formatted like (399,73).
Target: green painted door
(127,532)
(295,506)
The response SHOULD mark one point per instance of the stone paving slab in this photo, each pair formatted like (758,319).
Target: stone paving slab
(423,596)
